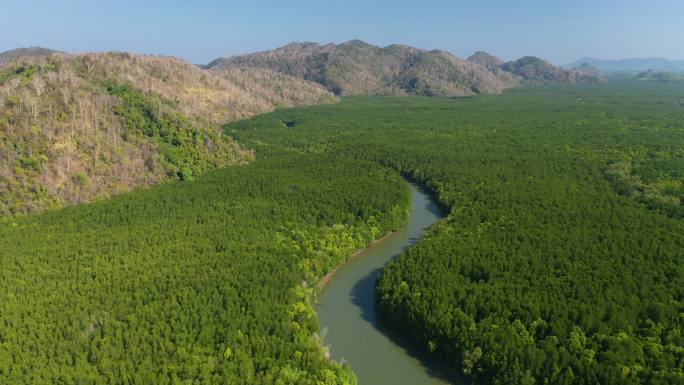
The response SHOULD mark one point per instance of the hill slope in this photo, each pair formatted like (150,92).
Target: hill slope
(356,67)
(537,71)
(79,127)
(533,70)
(490,62)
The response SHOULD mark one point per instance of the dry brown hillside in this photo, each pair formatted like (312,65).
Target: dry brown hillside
(74,128)
(356,67)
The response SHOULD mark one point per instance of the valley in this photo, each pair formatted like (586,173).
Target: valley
(341,192)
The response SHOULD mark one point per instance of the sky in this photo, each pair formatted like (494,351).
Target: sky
(557,30)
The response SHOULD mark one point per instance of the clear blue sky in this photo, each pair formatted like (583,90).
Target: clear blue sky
(558,30)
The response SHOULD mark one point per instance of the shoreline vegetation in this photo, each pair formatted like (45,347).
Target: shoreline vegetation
(323,282)
(410,179)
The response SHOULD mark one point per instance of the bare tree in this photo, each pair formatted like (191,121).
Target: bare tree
(38,85)
(89,63)
(66,96)
(33,103)
(4,94)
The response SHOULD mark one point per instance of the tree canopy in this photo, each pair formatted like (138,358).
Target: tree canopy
(561,261)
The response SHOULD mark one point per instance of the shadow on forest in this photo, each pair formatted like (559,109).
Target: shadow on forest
(363,296)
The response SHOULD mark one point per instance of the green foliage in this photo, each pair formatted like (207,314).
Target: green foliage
(544,272)
(205,282)
(23,71)
(27,71)
(655,179)
(146,114)
(81,178)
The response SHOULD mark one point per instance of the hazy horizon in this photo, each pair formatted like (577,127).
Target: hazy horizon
(560,33)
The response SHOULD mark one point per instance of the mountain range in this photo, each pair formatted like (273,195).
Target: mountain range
(634,65)
(356,67)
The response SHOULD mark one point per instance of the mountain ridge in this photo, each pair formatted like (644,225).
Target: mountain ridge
(357,67)
(534,70)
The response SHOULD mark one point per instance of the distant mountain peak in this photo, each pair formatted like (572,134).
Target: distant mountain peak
(486,60)
(357,42)
(483,55)
(299,44)
(631,65)
(538,71)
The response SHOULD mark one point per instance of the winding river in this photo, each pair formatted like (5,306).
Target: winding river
(378,354)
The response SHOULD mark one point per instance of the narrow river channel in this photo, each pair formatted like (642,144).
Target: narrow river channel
(378,354)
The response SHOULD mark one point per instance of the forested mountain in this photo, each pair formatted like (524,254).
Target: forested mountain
(356,67)
(532,70)
(560,261)
(79,127)
(490,62)
(537,71)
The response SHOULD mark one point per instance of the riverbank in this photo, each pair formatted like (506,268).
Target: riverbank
(377,354)
(323,282)
(417,184)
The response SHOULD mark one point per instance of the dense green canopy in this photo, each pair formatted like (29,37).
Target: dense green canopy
(201,282)
(562,258)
